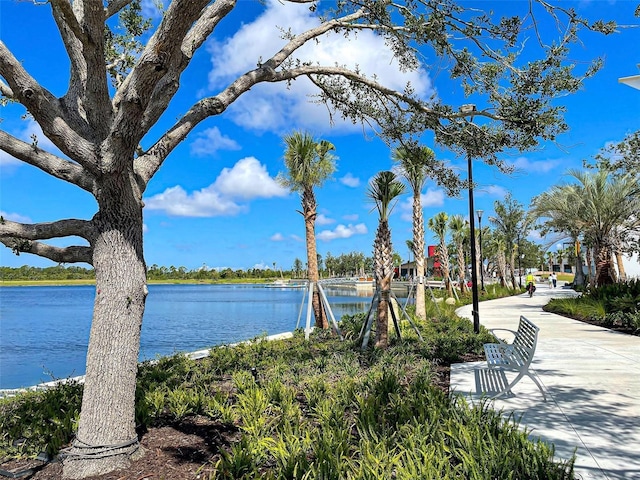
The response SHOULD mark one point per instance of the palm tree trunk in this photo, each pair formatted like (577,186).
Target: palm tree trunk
(512,267)
(445,265)
(604,274)
(309,209)
(418,242)
(622,275)
(383,258)
(461,266)
(502,268)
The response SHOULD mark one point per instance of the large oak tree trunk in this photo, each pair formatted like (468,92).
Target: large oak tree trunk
(106,436)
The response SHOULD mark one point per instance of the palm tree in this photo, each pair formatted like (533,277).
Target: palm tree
(604,209)
(510,222)
(309,164)
(439,225)
(383,189)
(559,208)
(413,166)
(460,233)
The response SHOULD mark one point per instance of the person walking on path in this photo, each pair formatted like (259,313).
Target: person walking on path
(554,279)
(550,279)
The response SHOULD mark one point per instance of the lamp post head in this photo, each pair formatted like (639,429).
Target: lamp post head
(633,81)
(479,212)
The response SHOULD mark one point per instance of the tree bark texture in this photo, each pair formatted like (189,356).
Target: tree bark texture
(108,402)
(383,259)
(443,255)
(418,243)
(604,267)
(309,212)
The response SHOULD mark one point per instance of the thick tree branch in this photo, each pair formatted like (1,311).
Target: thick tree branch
(24,238)
(46,110)
(45,161)
(71,254)
(114,6)
(88,96)
(5,90)
(42,231)
(168,86)
(161,55)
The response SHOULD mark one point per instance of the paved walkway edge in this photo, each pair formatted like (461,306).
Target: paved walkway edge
(591,377)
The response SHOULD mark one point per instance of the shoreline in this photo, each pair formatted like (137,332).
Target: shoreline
(196,355)
(81,282)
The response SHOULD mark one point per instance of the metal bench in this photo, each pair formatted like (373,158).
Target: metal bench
(515,356)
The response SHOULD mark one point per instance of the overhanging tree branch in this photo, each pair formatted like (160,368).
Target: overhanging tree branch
(71,254)
(45,161)
(114,6)
(42,231)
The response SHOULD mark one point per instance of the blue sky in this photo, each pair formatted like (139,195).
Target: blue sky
(215,201)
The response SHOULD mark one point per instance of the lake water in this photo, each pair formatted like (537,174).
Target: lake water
(44,331)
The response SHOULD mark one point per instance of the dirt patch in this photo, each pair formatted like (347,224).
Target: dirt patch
(183,451)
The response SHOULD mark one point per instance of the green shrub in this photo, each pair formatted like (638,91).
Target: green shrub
(41,421)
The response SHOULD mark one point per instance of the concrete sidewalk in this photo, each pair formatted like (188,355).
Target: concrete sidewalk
(591,376)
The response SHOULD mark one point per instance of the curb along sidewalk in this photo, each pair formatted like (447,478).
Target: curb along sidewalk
(591,376)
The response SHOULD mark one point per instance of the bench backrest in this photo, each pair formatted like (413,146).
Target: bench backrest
(526,339)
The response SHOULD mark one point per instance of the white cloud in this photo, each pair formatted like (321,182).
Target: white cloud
(277,237)
(263,266)
(493,191)
(15,217)
(351,217)
(246,180)
(350,181)
(207,202)
(7,160)
(210,141)
(431,198)
(525,165)
(277,106)
(322,219)
(342,231)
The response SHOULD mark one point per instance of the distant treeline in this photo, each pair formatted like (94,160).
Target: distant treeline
(153,273)
(58,272)
(353,263)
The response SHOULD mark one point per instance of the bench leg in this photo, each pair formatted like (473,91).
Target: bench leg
(508,388)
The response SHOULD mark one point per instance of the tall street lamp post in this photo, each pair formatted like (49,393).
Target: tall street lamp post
(469,109)
(480,212)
